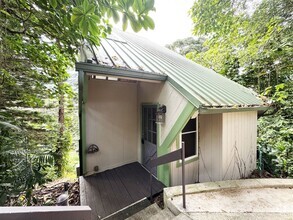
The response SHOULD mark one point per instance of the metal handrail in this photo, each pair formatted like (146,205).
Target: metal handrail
(151,157)
(167,158)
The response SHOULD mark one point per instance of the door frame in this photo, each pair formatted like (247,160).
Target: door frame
(155,104)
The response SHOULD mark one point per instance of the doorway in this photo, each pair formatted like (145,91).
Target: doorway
(149,136)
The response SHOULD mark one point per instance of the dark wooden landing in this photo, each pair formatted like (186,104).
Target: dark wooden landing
(112,190)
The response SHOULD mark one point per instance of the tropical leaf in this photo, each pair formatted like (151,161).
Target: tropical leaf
(124,22)
(149,5)
(138,6)
(135,25)
(115,16)
(149,22)
(93,28)
(9,125)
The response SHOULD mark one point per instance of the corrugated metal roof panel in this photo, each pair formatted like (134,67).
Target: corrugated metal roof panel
(202,86)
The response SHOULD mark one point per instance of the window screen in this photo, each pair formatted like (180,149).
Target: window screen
(149,124)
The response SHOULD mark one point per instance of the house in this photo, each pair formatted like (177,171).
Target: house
(127,80)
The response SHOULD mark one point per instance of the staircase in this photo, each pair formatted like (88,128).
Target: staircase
(153,212)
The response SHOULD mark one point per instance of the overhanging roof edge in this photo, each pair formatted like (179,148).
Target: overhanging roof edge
(197,104)
(212,110)
(122,72)
(231,109)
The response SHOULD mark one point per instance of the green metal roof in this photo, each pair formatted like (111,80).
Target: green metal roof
(201,86)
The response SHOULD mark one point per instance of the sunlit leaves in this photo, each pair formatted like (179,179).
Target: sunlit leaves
(115,15)
(212,16)
(134,12)
(188,46)
(149,5)
(148,22)
(141,8)
(135,25)
(84,16)
(124,22)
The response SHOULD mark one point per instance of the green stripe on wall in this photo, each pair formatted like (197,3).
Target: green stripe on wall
(85,95)
(163,171)
(83,92)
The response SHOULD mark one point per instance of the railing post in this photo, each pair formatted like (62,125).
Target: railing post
(168,158)
(183,174)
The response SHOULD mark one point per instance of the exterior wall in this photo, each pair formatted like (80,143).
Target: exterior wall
(175,103)
(111,123)
(227,145)
(239,144)
(161,93)
(191,169)
(210,147)
(227,141)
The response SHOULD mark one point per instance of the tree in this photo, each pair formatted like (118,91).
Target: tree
(39,41)
(251,43)
(187,45)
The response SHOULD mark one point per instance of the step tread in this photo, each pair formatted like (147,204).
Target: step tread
(128,211)
(181,216)
(165,214)
(146,213)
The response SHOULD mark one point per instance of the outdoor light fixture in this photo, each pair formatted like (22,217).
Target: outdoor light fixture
(92,149)
(160,114)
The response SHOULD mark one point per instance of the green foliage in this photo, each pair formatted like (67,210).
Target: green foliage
(22,165)
(251,43)
(39,41)
(187,45)
(276,132)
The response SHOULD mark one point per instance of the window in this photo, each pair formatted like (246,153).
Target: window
(189,137)
(149,125)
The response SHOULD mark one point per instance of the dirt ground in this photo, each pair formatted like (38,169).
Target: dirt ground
(47,195)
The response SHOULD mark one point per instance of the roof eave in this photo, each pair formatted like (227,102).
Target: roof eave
(207,110)
(197,104)
(118,72)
